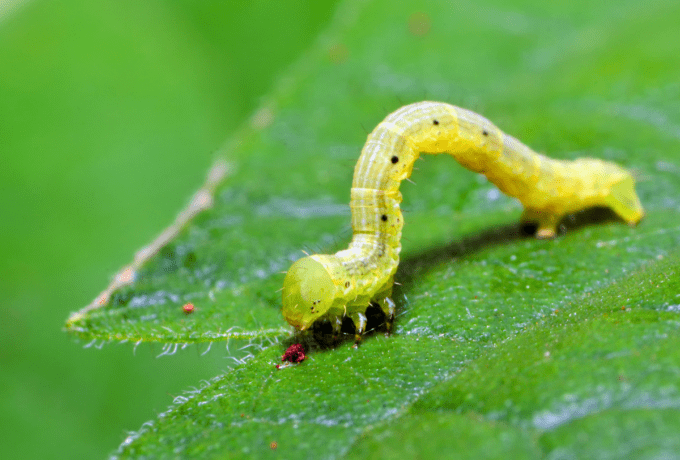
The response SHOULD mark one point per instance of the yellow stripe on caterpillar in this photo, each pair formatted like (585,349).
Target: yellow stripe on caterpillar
(330,287)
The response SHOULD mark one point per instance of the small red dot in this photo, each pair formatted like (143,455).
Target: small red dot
(188,308)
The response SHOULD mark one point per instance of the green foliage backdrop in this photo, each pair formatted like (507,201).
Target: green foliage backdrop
(504,346)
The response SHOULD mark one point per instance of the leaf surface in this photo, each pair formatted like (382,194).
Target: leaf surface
(519,347)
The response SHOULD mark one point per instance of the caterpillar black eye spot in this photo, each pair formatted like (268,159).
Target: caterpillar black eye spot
(384,217)
(485,132)
(395,159)
(435,122)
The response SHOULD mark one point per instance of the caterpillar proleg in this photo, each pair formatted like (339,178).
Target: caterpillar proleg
(330,287)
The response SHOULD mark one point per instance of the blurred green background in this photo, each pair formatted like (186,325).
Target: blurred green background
(110,114)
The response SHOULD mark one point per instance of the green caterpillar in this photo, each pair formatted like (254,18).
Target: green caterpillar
(330,287)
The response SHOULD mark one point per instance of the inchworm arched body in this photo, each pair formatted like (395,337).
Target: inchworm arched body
(344,284)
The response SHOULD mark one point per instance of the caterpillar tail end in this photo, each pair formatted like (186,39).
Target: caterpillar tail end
(623,200)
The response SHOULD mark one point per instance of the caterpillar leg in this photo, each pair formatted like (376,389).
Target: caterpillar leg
(337,325)
(359,320)
(388,307)
(547,222)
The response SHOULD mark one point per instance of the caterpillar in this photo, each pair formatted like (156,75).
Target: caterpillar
(331,287)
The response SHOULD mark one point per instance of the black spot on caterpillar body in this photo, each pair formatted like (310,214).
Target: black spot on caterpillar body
(346,283)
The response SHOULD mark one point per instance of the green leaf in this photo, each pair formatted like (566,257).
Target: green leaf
(504,345)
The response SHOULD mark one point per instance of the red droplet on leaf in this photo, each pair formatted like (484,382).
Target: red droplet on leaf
(294,354)
(188,308)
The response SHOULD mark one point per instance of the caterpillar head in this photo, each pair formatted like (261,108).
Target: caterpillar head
(308,293)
